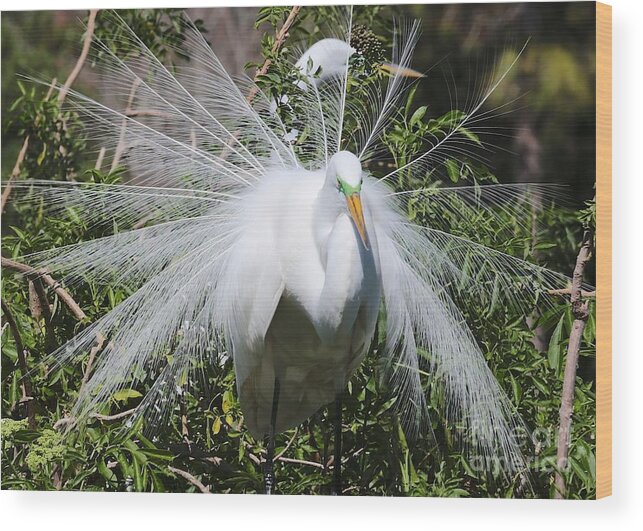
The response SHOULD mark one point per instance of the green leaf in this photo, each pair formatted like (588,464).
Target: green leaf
(470,135)
(42,155)
(545,245)
(516,390)
(125,394)
(453,170)
(541,385)
(418,115)
(227,401)
(409,100)
(108,474)
(26,436)
(157,453)
(553,353)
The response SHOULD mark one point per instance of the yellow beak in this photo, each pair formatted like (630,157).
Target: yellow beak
(357,214)
(392,68)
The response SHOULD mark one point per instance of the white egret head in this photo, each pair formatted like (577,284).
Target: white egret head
(345,172)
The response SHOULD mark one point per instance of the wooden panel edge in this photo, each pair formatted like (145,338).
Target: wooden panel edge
(603,250)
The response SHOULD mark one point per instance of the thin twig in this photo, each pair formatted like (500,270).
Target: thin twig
(256,460)
(116,416)
(190,478)
(568,291)
(61,423)
(33,273)
(99,159)
(280,38)
(580,310)
(50,90)
(14,174)
(89,35)
(21,155)
(120,146)
(27,389)
(41,295)
(100,341)
(292,439)
(98,416)
(62,93)
(301,462)
(259,460)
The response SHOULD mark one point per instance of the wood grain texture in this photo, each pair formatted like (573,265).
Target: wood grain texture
(603,250)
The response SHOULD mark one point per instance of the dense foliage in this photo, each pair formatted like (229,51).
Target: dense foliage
(206,436)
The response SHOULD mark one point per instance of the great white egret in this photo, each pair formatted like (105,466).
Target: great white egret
(327,59)
(282,254)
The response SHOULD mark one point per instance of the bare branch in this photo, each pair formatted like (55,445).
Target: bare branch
(89,35)
(116,416)
(292,439)
(568,291)
(120,147)
(16,171)
(580,310)
(99,159)
(43,306)
(190,478)
(33,273)
(60,423)
(301,462)
(100,341)
(280,38)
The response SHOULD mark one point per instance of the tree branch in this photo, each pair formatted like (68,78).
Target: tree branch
(27,389)
(301,462)
(99,159)
(292,439)
(580,310)
(116,416)
(280,38)
(36,285)
(89,35)
(120,147)
(568,291)
(14,174)
(190,478)
(98,416)
(32,273)
(100,341)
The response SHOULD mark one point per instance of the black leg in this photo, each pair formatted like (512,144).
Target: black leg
(268,471)
(337,456)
